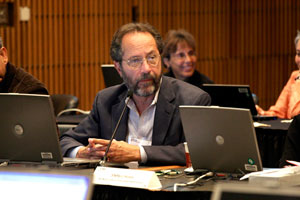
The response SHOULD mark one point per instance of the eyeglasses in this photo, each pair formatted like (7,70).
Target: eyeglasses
(136,62)
(183,55)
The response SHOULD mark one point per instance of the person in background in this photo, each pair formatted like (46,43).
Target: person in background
(291,150)
(15,79)
(179,56)
(288,103)
(150,131)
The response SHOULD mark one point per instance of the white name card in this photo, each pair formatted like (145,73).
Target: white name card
(126,178)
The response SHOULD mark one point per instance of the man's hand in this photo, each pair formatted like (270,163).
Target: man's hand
(120,151)
(91,151)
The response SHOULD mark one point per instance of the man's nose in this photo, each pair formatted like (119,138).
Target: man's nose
(145,67)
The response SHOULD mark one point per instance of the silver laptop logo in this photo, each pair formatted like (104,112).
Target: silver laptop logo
(220,140)
(18,130)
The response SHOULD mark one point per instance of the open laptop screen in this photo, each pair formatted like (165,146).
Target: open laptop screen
(110,75)
(244,191)
(237,96)
(44,185)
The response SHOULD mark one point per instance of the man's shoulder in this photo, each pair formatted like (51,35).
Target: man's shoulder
(113,92)
(21,74)
(27,83)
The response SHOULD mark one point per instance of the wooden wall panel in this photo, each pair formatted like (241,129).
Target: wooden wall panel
(238,41)
(65,42)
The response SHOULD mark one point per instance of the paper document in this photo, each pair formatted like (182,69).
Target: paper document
(293,162)
(258,124)
(126,178)
(275,177)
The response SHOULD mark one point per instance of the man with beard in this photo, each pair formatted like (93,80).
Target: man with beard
(150,131)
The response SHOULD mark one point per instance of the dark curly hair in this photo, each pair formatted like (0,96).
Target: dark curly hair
(116,44)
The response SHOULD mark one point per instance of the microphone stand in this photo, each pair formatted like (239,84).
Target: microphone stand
(103,161)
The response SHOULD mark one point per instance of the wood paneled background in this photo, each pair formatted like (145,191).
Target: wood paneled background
(238,41)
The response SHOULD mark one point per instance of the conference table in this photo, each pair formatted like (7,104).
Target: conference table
(202,190)
(40,179)
(270,136)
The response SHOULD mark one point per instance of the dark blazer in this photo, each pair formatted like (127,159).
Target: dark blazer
(292,143)
(167,139)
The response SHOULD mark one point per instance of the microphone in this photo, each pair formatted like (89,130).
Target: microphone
(103,162)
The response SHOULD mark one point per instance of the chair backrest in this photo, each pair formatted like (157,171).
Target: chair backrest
(64,101)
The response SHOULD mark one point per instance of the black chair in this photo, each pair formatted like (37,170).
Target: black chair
(62,102)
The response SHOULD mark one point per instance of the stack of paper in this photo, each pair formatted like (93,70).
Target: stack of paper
(276,177)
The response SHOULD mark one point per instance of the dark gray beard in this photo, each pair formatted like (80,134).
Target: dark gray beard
(140,91)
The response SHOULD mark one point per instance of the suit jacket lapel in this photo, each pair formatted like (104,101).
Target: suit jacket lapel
(116,113)
(164,112)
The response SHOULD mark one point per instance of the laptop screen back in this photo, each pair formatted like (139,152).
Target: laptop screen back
(110,75)
(28,129)
(221,139)
(237,96)
(245,191)
(34,184)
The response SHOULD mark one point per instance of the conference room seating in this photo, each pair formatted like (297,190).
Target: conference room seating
(64,101)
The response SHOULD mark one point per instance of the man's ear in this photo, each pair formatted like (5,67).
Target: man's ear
(166,62)
(3,53)
(118,68)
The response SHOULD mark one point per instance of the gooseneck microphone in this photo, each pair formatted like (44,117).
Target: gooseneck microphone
(104,159)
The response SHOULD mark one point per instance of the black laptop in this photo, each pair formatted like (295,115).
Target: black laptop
(236,96)
(110,75)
